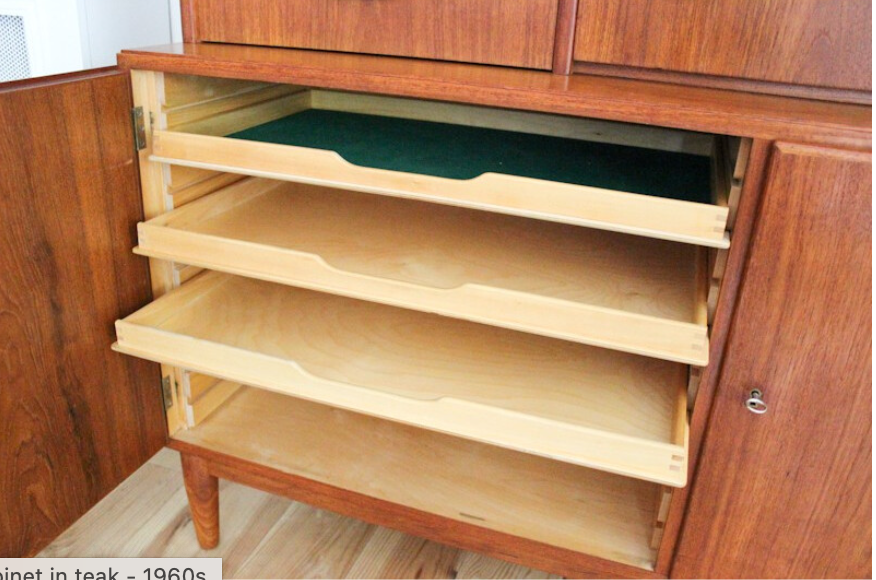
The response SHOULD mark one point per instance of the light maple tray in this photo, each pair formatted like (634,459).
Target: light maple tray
(607,410)
(560,504)
(606,289)
(615,177)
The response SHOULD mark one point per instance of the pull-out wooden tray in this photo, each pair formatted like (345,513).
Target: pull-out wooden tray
(598,408)
(606,289)
(537,166)
(558,504)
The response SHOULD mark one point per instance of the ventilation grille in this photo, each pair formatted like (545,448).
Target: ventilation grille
(14,63)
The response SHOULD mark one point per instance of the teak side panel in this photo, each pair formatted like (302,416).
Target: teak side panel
(499,32)
(820,43)
(76,418)
(789,493)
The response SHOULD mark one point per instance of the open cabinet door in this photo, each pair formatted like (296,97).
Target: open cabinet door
(75,418)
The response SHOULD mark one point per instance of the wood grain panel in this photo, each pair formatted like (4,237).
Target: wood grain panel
(820,43)
(788,493)
(503,32)
(76,418)
(631,101)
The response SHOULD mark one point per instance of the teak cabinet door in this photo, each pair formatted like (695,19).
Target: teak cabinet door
(788,493)
(516,33)
(75,418)
(820,43)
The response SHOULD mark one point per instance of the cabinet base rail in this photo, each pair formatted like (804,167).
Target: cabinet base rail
(203,467)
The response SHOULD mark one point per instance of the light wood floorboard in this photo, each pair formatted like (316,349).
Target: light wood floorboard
(263,536)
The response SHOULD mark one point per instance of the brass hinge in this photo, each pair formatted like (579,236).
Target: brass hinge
(139,123)
(166,391)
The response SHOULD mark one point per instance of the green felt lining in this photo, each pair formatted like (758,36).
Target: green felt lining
(462,152)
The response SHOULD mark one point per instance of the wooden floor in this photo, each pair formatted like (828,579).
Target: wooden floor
(263,536)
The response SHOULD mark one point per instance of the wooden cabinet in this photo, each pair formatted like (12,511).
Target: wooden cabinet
(816,43)
(500,32)
(532,274)
(335,227)
(785,493)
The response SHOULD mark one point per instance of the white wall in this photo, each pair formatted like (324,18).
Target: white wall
(108,26)
(53,34)
(175,21)
(69,35)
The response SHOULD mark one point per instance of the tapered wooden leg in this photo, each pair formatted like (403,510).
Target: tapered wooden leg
(203,492)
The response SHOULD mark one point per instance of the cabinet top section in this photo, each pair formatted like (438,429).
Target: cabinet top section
(496,32)
(633,101)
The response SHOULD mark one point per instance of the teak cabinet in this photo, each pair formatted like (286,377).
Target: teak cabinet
(519,312)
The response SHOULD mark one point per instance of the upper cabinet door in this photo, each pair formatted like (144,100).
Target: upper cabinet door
(504,32)
(819,43)
(75,418)
(788,493)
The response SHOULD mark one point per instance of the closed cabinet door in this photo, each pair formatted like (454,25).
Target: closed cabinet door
(820,43)
(787,493)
